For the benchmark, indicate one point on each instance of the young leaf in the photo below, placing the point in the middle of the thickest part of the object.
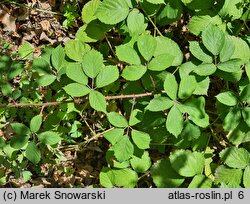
(75, 72)
(142, 164)
(146, 45)
(49, 138)
(235, 157)
(227, 98)
(171, 86)
(107, 75)
(159, 103)
(161, 62)
(213, 39)
(97, 101)
(164, 176)
(135, 22)
(123, 149)
(200, 52)
(115, 135)
(205, 69)
(232, 65)
(141, 139)
(36, 122)
(76, 90)
(117, 120)
(127, 54)
(32, 153)
(92, 63)
(187, 163)
(112, 12)
(246, 177)
(174, 123)
(57, 57)
(134, 72)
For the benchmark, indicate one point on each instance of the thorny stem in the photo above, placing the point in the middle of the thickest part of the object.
(56, 103)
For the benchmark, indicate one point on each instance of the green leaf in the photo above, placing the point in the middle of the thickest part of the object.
(196, 109)
(107, 76)
(26, 176)
(141, 139)
(123, 149)
(169, 47)
(115, 135)
(20, 129)
(174, 123)
(159, 103)
(187, 86)
(112, 12)
(19, 141)
(246, 177)
(228, 175)
(126, 178)
(232, 119)
(135, 22)
(135, 117)
(92, 63)
(227, 50)
(25, 51)
(75, 49)
(232, 65)
(89, 10)
(199, 51)
(134, 72)
(213, 38)
(245, 94)
(235, 157)
(171, 86)
(32, 153)
(127, 54)
(202, 86)
(142, 164)
(45, 80)
(199, 23)
(156, 1)
(205, 69)
(41, 66)
(231, 9)
(164, 176)
(57, 57)
(200, 181)
(246, 115)
(97, 101)
(76, 90)
(161, 62)
(191, 132)
(187, 163)
(198, 4)
(49, 138)
(170, 13)
(227, 98)
(75, 72)
(117, 120)
(147, 45)
(6, 89)
(35, 123)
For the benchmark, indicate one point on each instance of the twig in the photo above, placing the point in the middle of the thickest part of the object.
(129, 96)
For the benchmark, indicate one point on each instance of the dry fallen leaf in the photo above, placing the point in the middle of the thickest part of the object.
(8, 21)
(45, 24)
